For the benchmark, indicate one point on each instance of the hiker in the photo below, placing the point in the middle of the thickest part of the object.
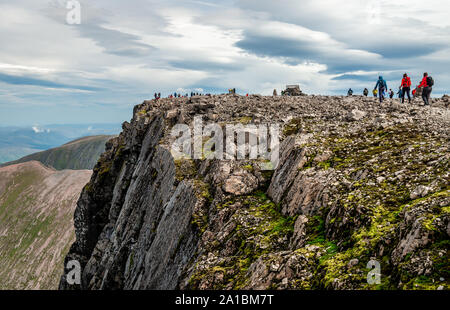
(382, 86)
(375, 92)
(400, 93)
(406, 87)
(156, 96)
(275, 93)
(366, 92)
(427, 84)
(159, 95)
(391, 93)
(350, 92)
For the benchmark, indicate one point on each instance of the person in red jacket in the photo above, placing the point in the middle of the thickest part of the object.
(426, 92)
(406, 87)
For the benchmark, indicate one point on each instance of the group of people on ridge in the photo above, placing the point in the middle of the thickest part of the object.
(176, 95)
(404, 90)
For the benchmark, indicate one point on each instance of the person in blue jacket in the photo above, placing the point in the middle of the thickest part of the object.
(400, 93)
(382, 86)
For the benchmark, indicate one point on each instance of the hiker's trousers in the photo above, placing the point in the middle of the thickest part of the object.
(381, 93)
(426, 93)
(406, 90)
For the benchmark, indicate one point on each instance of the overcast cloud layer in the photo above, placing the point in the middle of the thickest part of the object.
(124, 51)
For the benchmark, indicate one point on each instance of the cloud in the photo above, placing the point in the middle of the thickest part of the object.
(37, 129)
(344, 36)
(204, 65)
(301, 45)
(23, 69)
(123, 52)
(95, 26)
(115, 42)
(29, 81)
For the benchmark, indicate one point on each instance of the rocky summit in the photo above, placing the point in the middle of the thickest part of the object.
(359, 184)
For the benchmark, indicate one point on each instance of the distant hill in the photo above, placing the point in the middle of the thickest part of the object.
(17, 142)
(11, 153)
(79, 154)
(36, 223)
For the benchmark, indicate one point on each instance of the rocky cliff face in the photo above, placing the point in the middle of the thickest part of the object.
(357, 181)
(36, 223)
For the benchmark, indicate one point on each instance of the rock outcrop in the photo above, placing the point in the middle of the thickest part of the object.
(356, 181)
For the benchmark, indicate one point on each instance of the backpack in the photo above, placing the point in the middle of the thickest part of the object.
(406, 82)
(430, 81)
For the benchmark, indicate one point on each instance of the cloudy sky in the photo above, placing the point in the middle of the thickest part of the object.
(123, 51)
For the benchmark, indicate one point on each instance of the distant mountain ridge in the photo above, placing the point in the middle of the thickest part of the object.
(79, 154)
(17, 142)
(36, 223)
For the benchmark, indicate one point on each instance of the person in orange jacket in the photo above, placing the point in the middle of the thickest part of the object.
(427, 83)
(406, 88)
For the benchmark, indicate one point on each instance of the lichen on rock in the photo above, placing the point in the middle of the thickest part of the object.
(357, 181)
